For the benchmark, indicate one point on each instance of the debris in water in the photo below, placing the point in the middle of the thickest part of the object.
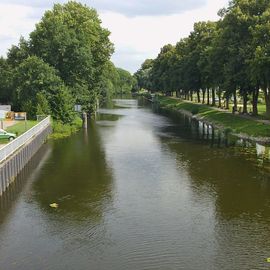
(54, 205)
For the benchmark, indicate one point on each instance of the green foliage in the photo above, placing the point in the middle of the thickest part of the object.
(70, 38)
(65, 60)
(110, 81)
(143, 76)
(116, 81)
(227, 121)
(17, 54)
(228, 58)
(126, 81)
(6, 90)
(61, 130)
(39, 89)
(20, 127)
(43, 107)
(195, 110)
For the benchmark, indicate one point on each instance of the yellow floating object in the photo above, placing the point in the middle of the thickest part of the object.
(268, 260)
(54, 205)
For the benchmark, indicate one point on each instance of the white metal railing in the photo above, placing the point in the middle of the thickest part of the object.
(14, 145)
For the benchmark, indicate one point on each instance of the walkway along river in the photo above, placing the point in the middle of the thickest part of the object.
(139, 190)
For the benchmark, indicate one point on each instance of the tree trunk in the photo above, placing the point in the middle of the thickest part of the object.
(245, 100)
(191, 95)
(203, 96)
(198, 96)
(266, 91)
(234, 101)
(227, 103)
(213, 97)
(208, 97)
(255, 101)
(219, 98)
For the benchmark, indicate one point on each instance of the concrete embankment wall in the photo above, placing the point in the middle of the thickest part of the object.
(14, 164)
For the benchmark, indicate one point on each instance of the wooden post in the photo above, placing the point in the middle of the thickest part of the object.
(25, 122)
(84, 120)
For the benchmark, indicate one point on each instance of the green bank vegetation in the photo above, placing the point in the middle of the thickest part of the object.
(65, 61)
(224, 63)
(222, 119)
(22, 126)
(61, 130)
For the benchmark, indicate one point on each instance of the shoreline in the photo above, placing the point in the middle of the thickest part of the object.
(215, 124)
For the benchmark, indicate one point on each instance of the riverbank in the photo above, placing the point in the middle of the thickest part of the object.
(246, 128)
(61, 130)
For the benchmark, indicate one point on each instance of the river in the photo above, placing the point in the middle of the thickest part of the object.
(139, 190)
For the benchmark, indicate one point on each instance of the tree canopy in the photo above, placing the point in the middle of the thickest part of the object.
(227, 58)
(65, 61)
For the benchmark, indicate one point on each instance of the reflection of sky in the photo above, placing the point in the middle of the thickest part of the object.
(153, 201)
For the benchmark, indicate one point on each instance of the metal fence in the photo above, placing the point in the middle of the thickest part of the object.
(14, 145)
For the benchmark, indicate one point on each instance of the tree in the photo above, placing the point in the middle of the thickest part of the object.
(17, 54)
(161, 70)
(70, 38)
(231, 57)
(109, 81)
(125, 83)
(142, 76)
(260, 64)
(35, 81)
(6, 90)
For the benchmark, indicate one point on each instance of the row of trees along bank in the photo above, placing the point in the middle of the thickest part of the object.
(65, 61)
(221, 60)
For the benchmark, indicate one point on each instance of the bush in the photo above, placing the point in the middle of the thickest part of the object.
(61, 130)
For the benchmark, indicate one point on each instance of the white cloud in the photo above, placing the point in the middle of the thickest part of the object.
(142, 37)
(128, 8)
(15, 21)
(135, 38)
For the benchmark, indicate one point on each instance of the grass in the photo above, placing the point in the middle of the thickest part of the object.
(261, 107)
(60, 130)
(20, 127)
(227, 121)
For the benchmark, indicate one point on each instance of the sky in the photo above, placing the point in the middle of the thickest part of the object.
(139, 28)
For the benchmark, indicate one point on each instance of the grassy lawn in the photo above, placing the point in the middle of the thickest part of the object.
(261, 107)
(19, 128)
(227, 120)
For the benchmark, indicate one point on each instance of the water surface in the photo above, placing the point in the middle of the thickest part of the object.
(140, 190)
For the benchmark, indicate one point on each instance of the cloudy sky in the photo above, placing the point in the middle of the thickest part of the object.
(139, 27)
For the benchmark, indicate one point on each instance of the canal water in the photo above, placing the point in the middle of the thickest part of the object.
(140, 190)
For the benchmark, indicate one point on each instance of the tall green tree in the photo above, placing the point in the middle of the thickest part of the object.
(6, 89)
(125, 83)
(160, 73)
(71, 39)
(35, 81)
(143, 75)
(260, 64)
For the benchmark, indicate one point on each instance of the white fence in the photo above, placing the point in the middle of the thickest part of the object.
(14, 145)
